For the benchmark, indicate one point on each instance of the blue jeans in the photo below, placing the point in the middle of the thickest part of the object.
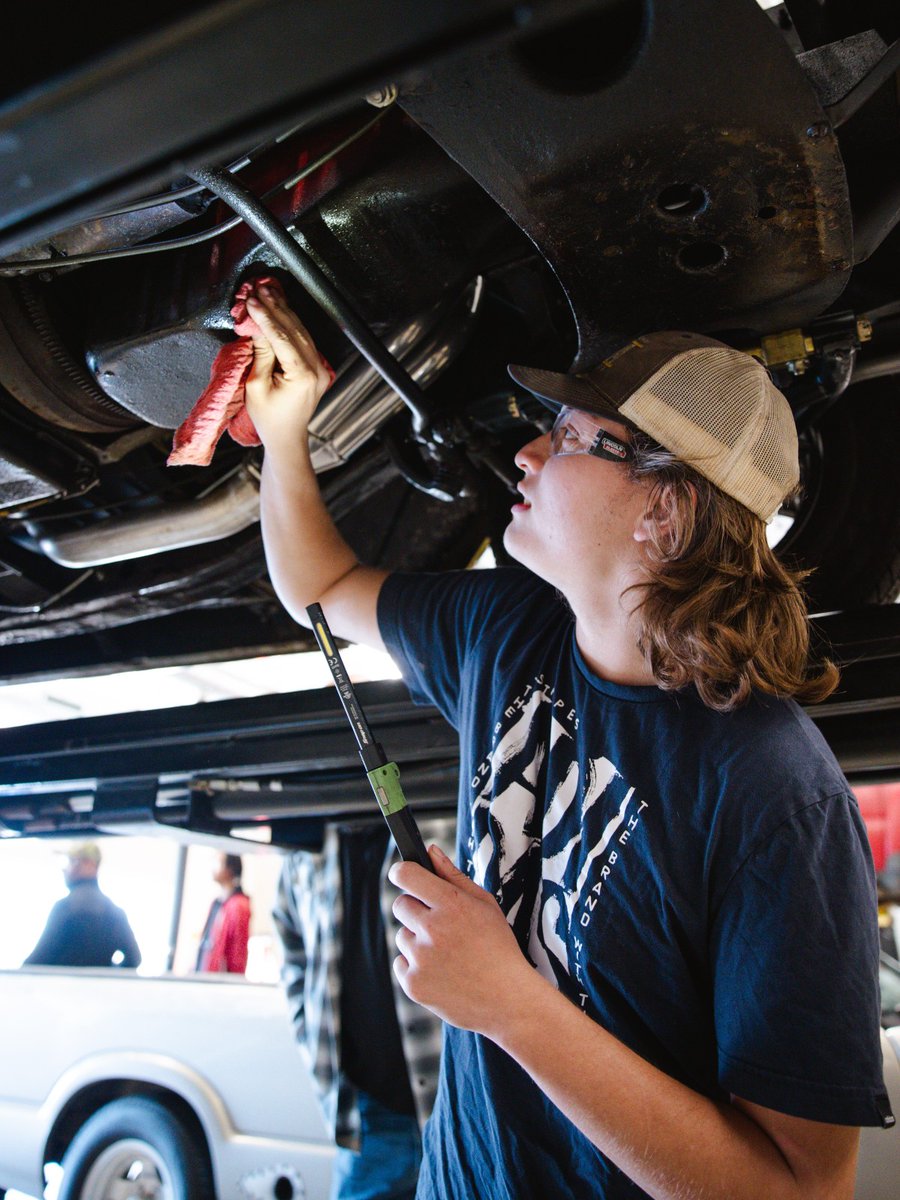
(387, 1164)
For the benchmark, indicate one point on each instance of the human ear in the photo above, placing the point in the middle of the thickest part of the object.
(643, 527)
(659, 520)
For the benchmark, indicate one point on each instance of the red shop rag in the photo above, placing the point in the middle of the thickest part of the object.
(222, 405)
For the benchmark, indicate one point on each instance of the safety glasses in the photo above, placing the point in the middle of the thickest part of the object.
(574, 432)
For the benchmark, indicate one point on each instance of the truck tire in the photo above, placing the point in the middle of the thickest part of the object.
(138, 1140)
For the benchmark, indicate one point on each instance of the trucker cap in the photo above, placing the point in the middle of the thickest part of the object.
(85, 852)
(712, 406)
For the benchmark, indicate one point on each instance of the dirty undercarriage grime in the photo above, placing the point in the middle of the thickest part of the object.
(497, 185)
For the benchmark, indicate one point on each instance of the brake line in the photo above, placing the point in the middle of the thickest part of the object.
(185, 193)
(33, 266)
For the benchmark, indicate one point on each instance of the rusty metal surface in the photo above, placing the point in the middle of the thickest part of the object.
(681, 173)
(204, 86)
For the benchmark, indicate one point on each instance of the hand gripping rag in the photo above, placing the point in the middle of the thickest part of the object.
(222, 405)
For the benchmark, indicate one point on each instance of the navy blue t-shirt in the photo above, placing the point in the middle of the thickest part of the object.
(699, 883)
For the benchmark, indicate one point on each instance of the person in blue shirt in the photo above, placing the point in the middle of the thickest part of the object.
(658, 963)
(85, 928)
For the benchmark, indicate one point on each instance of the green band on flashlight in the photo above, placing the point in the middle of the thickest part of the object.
(385, 783)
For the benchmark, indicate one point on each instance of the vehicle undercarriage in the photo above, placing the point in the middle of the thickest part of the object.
(490, 185)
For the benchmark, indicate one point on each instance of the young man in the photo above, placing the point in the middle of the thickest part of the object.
(659, 967)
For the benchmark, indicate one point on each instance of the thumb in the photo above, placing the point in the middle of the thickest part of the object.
(263, 360)
(448, 870)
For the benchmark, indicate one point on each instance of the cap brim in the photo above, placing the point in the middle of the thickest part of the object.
(557, 390)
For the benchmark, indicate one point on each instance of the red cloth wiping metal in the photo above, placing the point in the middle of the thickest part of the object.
(222, 405)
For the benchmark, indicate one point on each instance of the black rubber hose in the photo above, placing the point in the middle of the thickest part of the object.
(320, 287)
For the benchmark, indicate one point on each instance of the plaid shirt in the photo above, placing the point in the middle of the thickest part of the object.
(309, 918)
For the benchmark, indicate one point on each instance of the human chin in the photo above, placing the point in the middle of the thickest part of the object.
(512, 540)
(525, 550)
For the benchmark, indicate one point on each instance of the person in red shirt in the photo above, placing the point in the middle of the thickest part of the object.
(223, 944)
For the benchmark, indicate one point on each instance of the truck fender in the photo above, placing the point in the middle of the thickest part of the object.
(157, 1070)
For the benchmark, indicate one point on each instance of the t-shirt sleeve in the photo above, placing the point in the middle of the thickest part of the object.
(795, 972)
(431, 622)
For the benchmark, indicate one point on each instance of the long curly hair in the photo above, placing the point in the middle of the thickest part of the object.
(719, 611)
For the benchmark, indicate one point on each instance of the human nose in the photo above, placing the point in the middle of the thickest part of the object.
(533, 454)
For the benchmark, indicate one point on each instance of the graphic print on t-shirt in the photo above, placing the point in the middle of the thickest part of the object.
(587, 815)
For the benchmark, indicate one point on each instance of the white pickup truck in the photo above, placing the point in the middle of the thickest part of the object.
(194, 1089)
(155, 1089)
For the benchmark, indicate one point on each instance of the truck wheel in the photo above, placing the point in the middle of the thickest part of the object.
(134, 1141)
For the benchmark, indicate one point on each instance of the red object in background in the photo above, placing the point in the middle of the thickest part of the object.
(230, 937)
(879, 804)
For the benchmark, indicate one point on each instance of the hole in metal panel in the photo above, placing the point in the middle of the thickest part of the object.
(682, 200)
(701, 257)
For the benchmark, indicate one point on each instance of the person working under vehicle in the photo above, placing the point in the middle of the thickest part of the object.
(658, 967)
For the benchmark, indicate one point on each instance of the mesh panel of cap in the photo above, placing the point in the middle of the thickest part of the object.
(718, 411)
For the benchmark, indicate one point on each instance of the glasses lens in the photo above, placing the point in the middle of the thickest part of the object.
(574, 433)
(566, 437)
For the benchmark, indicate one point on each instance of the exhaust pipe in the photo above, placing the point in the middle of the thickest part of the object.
(230, 508)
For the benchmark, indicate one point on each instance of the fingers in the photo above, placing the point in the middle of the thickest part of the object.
(410, 913)
(405, 963)
(263, 355)
(406, 944)
(448, 870)
(275, 310)
(264, 365)
(289, 346)
(401, 970)
(417, 882)
(427, 901)
(279, 312)
(284, 336)
(431, 888)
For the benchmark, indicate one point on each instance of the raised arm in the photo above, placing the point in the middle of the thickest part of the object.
(307, 557)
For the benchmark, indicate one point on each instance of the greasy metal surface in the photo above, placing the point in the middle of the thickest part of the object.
(205, 87)
(682, 173)
(153, 325)
(158, 374)
(835, 70)
(881, 73)
(397, 229)
(23, 482)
